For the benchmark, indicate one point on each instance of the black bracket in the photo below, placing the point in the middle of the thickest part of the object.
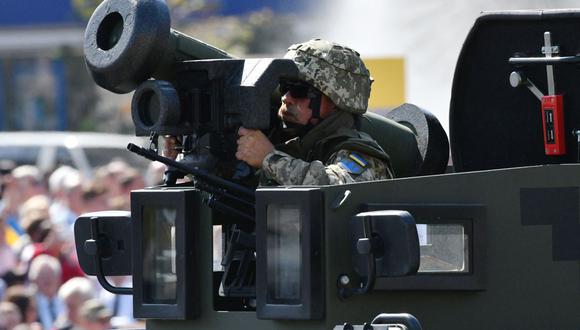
(367, 245)
(96, 246)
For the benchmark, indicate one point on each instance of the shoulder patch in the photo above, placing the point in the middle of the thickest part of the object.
(355, 163)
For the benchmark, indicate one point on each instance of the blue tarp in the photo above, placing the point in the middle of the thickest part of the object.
(33, 12)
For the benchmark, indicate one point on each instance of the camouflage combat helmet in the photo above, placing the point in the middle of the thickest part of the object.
(335, 70)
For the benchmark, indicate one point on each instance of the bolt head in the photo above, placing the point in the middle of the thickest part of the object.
(515, 79)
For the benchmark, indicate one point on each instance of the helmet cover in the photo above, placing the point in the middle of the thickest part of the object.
(336, 70)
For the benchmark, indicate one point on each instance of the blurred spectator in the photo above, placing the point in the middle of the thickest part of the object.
(120, 305)
(9, 315)
(32, 212)
(94, 316)
(45, 274)
(6, 168)
(37, 228)
(65, 187)
(11, 234)
(2, 288)
(74, 293)
(15, 277)
(130, 180)
(25, 182)
(24, 326)
(117, 166)
(24, 299)
(35, 207)
(127, 181)
(36, 231)
(94, 197)
(59, 244)
(109, 176)
(120, 179)
(7, 256)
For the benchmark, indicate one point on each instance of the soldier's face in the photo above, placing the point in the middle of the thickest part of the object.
(295, 110)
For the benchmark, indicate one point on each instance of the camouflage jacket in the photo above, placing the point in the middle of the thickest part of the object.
(333, 152)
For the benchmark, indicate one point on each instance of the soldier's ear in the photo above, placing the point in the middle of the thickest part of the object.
(327, 107)
(331, 104)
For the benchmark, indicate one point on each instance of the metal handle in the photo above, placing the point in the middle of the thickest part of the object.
(97, 253)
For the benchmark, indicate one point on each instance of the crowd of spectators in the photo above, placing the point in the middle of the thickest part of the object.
(41, 283)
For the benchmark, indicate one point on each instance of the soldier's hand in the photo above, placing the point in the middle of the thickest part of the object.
(253, 146)
(170, 147)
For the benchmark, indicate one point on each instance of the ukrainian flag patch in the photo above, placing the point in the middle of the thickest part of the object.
(355, 163)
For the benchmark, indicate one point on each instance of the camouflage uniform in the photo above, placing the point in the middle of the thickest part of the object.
(333, 152)
(283, 169)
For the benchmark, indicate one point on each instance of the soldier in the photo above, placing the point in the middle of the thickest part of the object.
(323, 107)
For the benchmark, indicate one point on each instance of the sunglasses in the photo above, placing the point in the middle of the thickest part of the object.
(298, 89)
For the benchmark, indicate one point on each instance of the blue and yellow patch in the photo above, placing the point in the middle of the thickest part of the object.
(355, 163)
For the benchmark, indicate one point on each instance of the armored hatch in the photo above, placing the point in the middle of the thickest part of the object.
(494, 125)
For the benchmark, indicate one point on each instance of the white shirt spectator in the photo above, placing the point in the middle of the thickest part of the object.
(121, 305)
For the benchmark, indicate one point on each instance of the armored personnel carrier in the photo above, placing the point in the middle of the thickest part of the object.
(493, 242)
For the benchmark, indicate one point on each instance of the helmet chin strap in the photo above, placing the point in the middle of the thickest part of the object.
(295, 129)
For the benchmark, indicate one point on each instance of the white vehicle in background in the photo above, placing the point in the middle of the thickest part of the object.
(82, 150)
